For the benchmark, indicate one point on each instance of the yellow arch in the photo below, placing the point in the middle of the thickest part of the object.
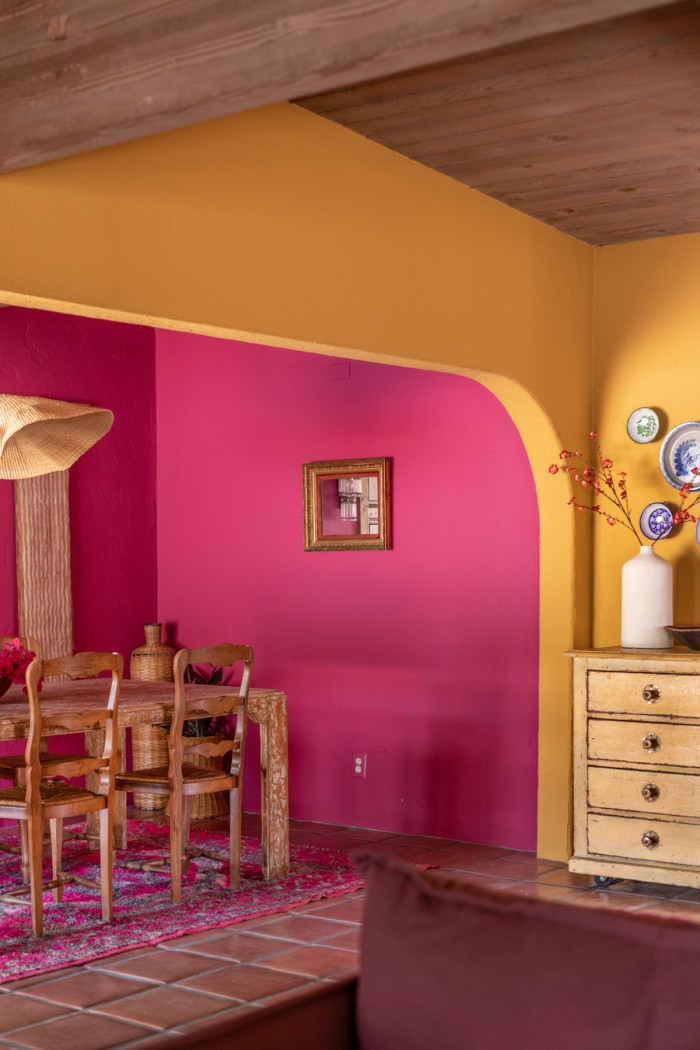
(277, 227)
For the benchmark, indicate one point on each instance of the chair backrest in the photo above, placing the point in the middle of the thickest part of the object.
(103, 716)
(231, 700)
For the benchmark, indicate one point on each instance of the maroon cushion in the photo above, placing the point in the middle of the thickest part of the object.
(448, 964)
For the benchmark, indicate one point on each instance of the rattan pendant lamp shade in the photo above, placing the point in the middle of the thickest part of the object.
(39, 435)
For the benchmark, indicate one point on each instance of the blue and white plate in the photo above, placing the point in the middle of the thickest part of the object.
(680, 452)
(656, 521)
(643, 425)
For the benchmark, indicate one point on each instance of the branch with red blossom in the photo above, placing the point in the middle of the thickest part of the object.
(683, 513)
(613, 488)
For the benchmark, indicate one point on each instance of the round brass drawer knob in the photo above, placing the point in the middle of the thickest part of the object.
(651, 742)
(651, 792)
(651, 840)
(651, 693)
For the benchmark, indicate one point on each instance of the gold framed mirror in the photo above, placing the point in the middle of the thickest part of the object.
(347, 505)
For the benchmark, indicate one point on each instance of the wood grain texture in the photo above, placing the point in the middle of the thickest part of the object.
(678, 843)
(675, 794)
(636, 807)
(151, 703)
(643, 695)
(45, 604)
(79, 74)
(616, 741)
(595, 131)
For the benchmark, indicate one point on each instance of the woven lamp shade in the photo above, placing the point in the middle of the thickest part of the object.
(39, 435)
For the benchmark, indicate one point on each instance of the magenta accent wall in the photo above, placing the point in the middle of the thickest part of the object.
(112, 487)
(423, 657)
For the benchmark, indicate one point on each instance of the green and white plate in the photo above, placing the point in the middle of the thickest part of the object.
(643, 425)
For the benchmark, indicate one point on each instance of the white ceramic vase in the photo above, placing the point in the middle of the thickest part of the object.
(647, 601)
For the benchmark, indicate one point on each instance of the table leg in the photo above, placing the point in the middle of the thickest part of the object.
(274, 802)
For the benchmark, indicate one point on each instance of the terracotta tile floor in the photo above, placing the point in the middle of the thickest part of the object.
(126, 1000)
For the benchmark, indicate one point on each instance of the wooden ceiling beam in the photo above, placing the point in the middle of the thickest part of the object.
(79, 74)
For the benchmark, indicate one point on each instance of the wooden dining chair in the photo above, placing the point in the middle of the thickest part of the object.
(182, 779)
(54, 763)
(39, 799)
(10, 763)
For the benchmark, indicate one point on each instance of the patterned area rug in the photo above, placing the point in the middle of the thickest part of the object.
(143, 912)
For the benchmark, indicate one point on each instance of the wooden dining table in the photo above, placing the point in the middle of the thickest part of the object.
(151, 703)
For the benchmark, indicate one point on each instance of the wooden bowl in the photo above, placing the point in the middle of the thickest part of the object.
(689, 636)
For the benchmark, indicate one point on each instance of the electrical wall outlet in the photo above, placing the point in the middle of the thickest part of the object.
(359, 764)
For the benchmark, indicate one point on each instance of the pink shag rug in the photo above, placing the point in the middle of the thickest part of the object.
(143, 912)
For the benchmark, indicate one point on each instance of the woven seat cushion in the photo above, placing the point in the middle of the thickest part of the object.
(51, 793)
(191, 774)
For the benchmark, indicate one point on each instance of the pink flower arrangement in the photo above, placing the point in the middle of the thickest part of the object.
(14, 661)
(610, 487)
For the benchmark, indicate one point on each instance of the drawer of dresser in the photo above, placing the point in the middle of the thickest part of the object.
(669, 794)
(637, 838)
(635, 743)
(648, 695)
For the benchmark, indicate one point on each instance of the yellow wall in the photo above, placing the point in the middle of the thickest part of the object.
(647, 353)
(277, 226)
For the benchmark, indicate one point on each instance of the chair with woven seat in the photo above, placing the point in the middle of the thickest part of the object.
(54, 763)
(9, 764)
(13, 767)
(37, 799)
(182, 779)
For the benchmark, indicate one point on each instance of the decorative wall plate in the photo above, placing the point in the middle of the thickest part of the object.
(680, 452)
(656, 521)
(643, 425)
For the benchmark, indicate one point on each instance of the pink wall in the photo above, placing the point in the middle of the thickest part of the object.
(112, 487)
(428, 662)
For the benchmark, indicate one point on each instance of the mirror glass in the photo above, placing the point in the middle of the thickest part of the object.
(347, 505)
(350, 505)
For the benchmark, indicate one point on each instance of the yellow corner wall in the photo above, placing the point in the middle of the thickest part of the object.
(276, 226)
(647, 353)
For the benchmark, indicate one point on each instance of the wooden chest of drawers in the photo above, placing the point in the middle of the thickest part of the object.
(637, 765)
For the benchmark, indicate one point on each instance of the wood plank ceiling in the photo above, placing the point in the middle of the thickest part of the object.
(583, 113)
(595, 131)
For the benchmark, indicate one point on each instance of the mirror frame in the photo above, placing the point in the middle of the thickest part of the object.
(315, 473)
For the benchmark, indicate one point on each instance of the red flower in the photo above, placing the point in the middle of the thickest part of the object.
(14, 661)
(593, 435)
(564, 454)
(610, 521)
(554, 469)
(607, 464)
